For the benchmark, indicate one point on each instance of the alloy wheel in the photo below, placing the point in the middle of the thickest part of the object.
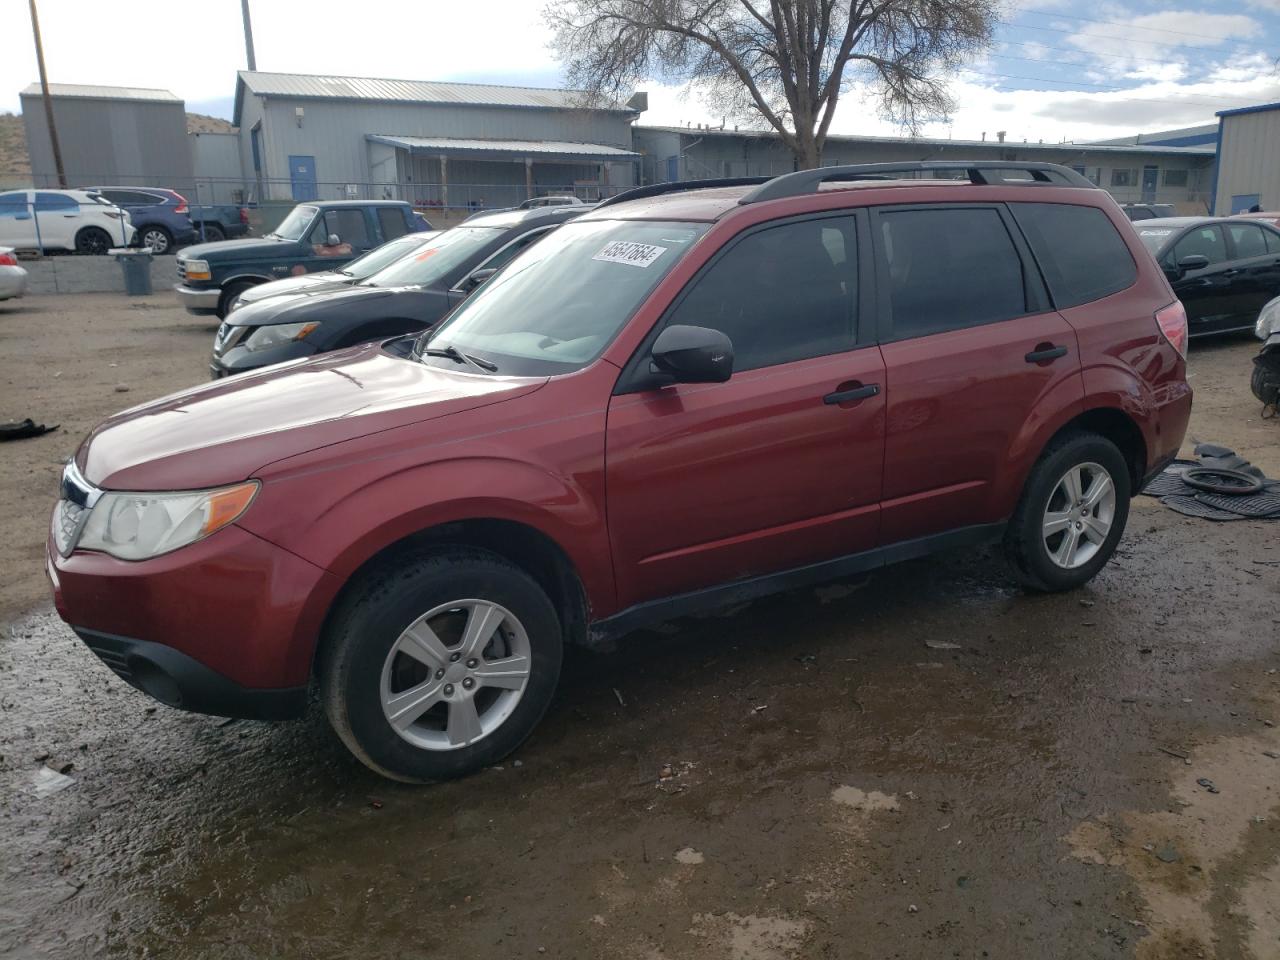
(1079, 515)
(156, 240)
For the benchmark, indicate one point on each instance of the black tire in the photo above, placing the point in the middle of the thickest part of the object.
(212, 234)
(229, 294)
(93, 241)
(157, 238)
(1025, 544)
(378, 610)
(1221, 480)
(1265, 381)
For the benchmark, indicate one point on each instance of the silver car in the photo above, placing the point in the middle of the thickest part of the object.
(13, 277)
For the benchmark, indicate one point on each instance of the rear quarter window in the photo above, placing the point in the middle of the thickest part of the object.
(1082, 256)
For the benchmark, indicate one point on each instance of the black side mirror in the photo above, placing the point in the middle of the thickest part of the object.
(1193, 261)
(479, 277)
(693, 355)
(333, 240)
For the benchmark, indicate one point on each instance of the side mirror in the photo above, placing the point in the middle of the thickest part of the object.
(1194, 261)
(479, 277)
(334, 240)
(693, 355)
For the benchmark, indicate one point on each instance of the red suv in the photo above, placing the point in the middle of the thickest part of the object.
(693, 395)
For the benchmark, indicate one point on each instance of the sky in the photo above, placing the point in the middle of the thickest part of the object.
(1053, 74)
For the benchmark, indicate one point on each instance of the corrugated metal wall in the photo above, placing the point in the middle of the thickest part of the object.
(1248, 163)
(110, 142)
(216, 159)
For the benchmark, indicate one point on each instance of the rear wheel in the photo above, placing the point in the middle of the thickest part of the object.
(1072, 513)
(212, 234)
(440, 663)
(93, 240)
(158, 239)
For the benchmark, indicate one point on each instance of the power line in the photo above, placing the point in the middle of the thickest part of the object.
(1119, 23)
(1007, 76)
(1101, 86)
(1098, 36)
(1084, 53)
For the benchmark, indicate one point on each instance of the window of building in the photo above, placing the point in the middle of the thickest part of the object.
(1079, 250)
(779, 294)
(950, 269)
(1123, 178)
(1175, 178)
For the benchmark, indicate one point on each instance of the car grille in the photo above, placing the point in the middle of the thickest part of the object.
(182, 269)
(110, 654)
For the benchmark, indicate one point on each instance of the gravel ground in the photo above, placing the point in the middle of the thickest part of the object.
(928, 763)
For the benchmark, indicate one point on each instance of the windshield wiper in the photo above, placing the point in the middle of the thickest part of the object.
(453, 353)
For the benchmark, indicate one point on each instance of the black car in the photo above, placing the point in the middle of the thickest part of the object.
(1222, 269)
(412, 294)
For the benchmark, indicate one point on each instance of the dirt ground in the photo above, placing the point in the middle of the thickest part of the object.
(1088, 775)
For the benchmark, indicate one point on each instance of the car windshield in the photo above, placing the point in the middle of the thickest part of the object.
(295, 224)
(557, 305)
(437, 258)
(1154, 238)
(384, 256)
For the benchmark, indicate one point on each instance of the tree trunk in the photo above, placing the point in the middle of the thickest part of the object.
(807, 154)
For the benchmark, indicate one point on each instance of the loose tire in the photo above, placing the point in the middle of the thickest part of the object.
(440, 663)
(93, 241)
(158, 239)
(1071, 515)
(230, 294)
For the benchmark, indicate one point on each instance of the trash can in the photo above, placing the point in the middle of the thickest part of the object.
(136, 265)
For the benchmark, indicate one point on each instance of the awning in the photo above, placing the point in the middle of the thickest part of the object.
(546, 151)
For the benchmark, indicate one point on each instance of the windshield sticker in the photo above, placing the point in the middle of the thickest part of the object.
(632, 254)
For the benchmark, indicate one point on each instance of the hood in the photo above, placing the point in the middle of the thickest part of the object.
(306, 305)
(305, 282)
(227, 430)
(238, 249)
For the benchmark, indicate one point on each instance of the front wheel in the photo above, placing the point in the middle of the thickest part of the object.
(93, 240)
(1071, 515)
(440, 663)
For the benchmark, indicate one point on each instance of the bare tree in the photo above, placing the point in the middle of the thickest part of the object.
(787, 61)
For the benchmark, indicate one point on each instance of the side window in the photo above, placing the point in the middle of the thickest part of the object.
(55, 201)
(350, 226)
(950, 268)
(391, 220)
(13, 204)
(780, 294)
(1273, 238)
(1204, 241)
(1248, 240)
(1079, 250)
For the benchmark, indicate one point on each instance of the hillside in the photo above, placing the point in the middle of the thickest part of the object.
(201, 123)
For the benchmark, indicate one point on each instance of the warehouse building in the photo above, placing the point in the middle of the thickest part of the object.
(454, 145)
(108, 135)
(1150, 173)
(1248, 169)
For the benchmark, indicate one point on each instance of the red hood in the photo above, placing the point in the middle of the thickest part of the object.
(224, 431)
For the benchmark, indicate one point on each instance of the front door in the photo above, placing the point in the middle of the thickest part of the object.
(302, 177)
(1150, 179)
(970, 349)
(58, 218)
(781, 465)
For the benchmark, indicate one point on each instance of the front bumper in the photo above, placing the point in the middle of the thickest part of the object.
(198, 301)
(239, 359)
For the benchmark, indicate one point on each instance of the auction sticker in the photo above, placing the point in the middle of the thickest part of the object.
(632, 254)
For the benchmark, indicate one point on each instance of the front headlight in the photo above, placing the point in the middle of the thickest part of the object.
(137, 526)
(1268, 320)
(196, 269)
(266, 337)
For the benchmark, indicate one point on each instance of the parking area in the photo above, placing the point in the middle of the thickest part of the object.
(925, 763)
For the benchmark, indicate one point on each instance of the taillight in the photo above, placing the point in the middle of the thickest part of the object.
(8, 260)
(1172, 321)
(182, 204)
(244, 215)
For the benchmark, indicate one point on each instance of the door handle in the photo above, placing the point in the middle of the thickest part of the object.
(1045, 354)
(1230, 273)
(853, 393)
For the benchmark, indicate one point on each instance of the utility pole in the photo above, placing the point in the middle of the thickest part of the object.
(248, 35)
(48, 103)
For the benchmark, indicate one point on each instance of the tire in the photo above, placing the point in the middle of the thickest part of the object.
(157, 238)
(1265, 380)
(92, 241)
(363, 666)
(212, 234)
(1036, 558)
(229, 295)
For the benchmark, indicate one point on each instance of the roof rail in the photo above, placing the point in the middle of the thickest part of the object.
(981, 172)
(678, 186)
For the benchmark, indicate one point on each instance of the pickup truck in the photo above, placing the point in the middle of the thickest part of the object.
(219, 221)
(318, 235)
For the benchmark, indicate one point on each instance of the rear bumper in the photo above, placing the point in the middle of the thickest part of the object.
(198, 301)
(13, 282)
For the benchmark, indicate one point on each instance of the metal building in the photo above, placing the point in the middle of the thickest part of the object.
(1131, 172)
(448, 145)
(1248, 168)
(127, 136)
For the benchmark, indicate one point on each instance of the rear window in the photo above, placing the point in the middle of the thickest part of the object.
(1081, 254)
(391, 220)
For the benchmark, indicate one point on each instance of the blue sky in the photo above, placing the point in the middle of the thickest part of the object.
(1059, 70)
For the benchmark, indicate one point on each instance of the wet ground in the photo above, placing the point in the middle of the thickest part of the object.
(925, 764)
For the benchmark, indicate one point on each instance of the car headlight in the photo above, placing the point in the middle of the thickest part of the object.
(137, 526)
(265, 337)
(196, 269)
(1268, 320)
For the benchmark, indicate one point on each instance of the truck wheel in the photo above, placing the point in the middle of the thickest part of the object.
(230, 294)
(440, 664)
(1072, 513)
(212, 234)
(92, 240)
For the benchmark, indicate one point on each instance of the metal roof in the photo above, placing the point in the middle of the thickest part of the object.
(93, 92)
(964, 144)
(1260, 108)
(513, 148)
(312, 86)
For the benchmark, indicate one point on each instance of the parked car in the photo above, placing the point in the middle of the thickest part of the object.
(793, 381)
(314, 236)
(361, 268)
(160, 216)
(76, 220)
(219, 221)
(1265, 381)
(551, 200)
(1223, 269)
(1148, 211)
(406, 297)
(1266, 216)
(13, 276)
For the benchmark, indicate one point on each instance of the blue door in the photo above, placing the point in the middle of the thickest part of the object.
(673, 169)
(1244, 202)
(302, 175)
(1150, 177)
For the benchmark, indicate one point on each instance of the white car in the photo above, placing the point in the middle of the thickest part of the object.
(76, 220)
(13, 278)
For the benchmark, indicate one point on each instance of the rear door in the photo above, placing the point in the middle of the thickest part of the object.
(1255, 254)
(1209, 293)
(973, 354)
